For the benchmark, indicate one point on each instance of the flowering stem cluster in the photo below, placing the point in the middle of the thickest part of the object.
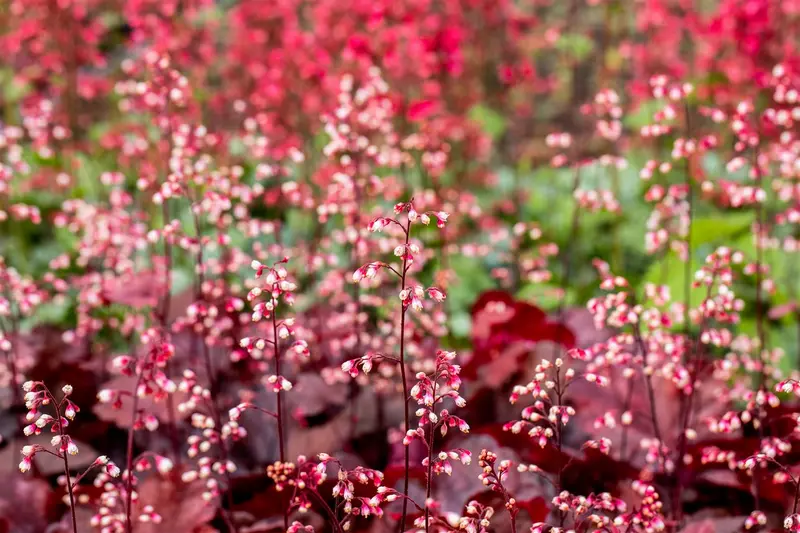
(37, 397)
(410, 297)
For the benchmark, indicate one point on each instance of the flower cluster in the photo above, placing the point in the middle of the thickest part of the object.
(549, 413)
(39, 397)
(493, 476)
(305, 478)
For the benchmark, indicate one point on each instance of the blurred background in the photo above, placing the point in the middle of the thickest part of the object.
(151, 149)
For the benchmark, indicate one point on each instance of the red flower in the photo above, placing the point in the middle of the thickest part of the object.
(419, 110)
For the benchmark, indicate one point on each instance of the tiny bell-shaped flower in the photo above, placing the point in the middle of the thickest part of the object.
(72, 448)
(378, 224)
(112, 470)
(25, 464)
(70, 410)
(436, 294)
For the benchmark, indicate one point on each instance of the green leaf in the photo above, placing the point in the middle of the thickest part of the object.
(299, 225)
(670, 271)
(492, 122)
(783, 269)
(87, 176)
(460, 324)
(720, 229)
(643, 115)
(14, 88)
(181, 280)
(576, 45)
(717, 78)
(237, 147)
(544, 296)
(53, 312)
(707, 234)
(714, 165)
(506, 180)
(786, 338)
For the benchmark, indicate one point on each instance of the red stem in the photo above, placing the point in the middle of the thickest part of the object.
(332, 517)
(648, 382)
(406, 415)
(796, 496)
(212, 385)
(429, 479)
(280, 403)
(163, 313)
(129, 459)
(66, 472)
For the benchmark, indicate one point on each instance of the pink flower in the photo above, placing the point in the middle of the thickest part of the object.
(436, 294)
(378, 224)
(419, 110)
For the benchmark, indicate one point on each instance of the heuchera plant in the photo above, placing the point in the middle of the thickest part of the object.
(462, 266)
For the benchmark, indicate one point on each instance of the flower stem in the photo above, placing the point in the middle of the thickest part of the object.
(281, 449)
(129, 460)
(66, 473)
(71, 494)
(332, 517)
(429, 478)
(406, 414)
(213, 386)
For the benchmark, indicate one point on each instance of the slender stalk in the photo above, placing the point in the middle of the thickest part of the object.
(332, 517)
(429, 481)
(406, 414)
(429, 477)
(212, 383)
(353, 384)
(566, 269)
(164, 309)
(559, 441)
(507, 497)
(129, 459)
(282, 451)
(71, 494)
(686, 416)
(64, 455)
(648, 382)
(278, 372)
(223, 447)
(796, 496)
